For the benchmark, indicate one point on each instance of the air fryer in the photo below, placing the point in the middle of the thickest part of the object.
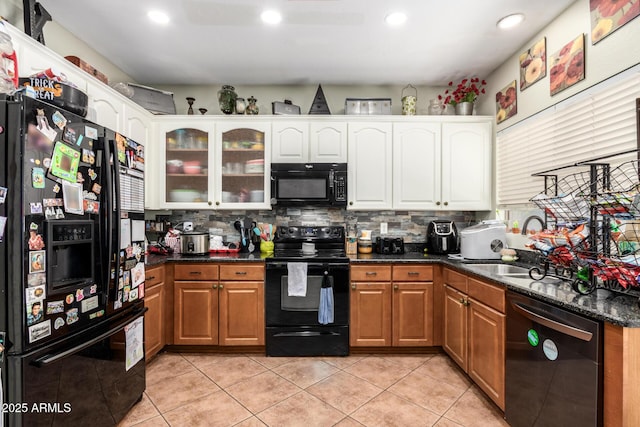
(442, 237)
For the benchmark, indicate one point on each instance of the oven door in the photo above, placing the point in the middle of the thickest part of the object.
(284, 310)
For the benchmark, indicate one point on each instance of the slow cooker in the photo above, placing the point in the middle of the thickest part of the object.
(194, 243)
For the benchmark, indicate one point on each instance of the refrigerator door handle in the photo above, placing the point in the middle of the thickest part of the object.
(51, 358)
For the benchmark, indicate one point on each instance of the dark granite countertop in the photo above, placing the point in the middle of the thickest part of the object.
(616, 308)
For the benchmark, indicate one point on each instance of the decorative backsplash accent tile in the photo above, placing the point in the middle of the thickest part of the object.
(411, 225)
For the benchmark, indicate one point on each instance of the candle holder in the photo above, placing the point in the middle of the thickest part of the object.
(203, 111)
(190, 100)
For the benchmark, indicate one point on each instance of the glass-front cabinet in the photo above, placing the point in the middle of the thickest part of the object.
(242, 166)
(187, 177)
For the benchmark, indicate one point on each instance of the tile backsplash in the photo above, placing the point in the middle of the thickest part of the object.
(411, 225)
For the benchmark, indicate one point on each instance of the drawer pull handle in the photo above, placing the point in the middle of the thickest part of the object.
(353, 287)
(241, 272)
(395, 287)
(150, 278)
(195, 272)
(413, 273)
(371, 273)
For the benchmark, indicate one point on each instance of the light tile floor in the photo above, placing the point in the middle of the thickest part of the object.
(247, 390)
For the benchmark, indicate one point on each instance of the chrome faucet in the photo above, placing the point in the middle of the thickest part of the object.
(526, 223)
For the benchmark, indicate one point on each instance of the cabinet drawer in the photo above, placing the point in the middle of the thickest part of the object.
(195, 272)
(491, 295)
(242, 272)
(153, 276)
(370, 273)
(412, 273)
(455, 280)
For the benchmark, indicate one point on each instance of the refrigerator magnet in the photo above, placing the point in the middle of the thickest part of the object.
(72, 196)
(137, 275)
(79, 140)
(37, 293)
(141, 290)
(90, 206)
(34, 312)
(69, 299)
(91, 132)
(3, 194)
(98, 313)
(59, 213)
(37, 177)
(96, 188)
(42, 124)
(58, 323)
(92, 174)
(55, 307)
(37, 261)
(69, 136)
(52, 202)
(3, 222)
(79, 178)
(133, 295)
(64, 162)
(56, 188)
(93, 289)
(72, 316)
(79, 295)
(35, 208)
(36, 279)
(39, 331)
(88, 156)
(35, 242)
(59, 120)
(126, 278)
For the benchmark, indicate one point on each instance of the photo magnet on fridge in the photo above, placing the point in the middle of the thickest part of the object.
(39, 331)
(3, 194)
(36, 279)
(55, 307)
(34, 312)
(37, 261)
(3, 222)
(59, 120)
(37, 293)
(35, 208)
(37, 177)
(64, 162)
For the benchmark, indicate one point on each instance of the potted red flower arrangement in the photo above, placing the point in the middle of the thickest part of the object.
(464, 95)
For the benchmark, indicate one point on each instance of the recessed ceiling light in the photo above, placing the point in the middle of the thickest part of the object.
(271, 17)
(510, 21)
(395, 18)
(158, 17)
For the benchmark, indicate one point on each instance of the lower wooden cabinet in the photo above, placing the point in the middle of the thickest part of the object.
(195, 315)
(154, 301)
(474, 331)
(225, 307)
(391, 305)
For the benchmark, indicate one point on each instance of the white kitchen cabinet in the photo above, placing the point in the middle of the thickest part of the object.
(370, 165)
(182, 176)
(290, 142)
(242, 167)
(467, 166)
(314, 141)
(107, 106)
(416, 165)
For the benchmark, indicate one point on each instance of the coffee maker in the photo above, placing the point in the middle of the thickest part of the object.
(442, 237)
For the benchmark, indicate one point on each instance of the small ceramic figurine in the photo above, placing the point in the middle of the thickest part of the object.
(252, 108)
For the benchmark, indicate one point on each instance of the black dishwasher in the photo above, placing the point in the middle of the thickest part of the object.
(553, 366)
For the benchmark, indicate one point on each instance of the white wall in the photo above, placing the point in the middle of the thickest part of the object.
(613, 54)
(302, 95)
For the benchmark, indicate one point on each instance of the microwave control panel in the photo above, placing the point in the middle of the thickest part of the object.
(340, 188)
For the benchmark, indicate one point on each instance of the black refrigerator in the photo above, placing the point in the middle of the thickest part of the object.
(71, 268)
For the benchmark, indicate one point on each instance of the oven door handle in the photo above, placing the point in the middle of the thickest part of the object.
(306, 334)
(332, 266)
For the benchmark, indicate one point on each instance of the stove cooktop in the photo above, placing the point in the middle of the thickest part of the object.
(327, 241)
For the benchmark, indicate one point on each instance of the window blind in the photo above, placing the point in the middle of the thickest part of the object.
(597, 122)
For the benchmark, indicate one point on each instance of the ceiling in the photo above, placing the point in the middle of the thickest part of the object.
(318, 41)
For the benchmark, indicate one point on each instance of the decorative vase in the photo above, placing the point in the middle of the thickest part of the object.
(190, 102)
(464, 108)
(240, 106)
(203, 111)
(252, 108)
(227, 99)
(409, 101)
(435, 107)
(448, 110)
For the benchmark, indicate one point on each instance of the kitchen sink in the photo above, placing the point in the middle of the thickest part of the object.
(502, 269)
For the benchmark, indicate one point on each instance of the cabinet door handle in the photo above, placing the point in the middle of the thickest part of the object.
(241, 273)
(446, 203)
(462, 301)
(221, 287)
(209, 203)
(150, 278)
(353, 287)
(215, 286)
(395, 287)
(437, 203)
(371, 273)
(350, 203)
(217, 203)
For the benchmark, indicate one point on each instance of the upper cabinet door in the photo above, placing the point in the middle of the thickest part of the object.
(183, 172)
(467, 166)
(108, 107)
(416, 166)
(328, 142)
(370, 165)
(290, 142)
(243, 164)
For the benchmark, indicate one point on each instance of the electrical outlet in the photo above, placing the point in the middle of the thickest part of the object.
(383, 228)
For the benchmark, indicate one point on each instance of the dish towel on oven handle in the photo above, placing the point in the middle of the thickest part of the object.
(297, 279)
(325, 310)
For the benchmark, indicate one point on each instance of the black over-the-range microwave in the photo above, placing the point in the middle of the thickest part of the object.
(309, 184)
